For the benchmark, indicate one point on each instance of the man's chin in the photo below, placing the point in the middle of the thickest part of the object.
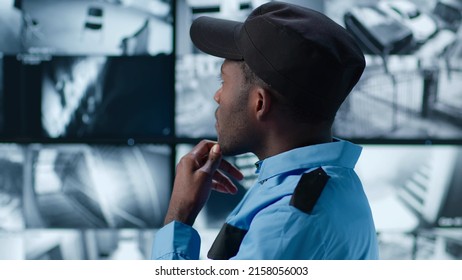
(223, 148)
(226, 151)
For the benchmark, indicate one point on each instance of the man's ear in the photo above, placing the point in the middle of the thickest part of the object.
(262, 102)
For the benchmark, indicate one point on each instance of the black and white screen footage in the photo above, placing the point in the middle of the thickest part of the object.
(83, 186)
(107, 97)
(10, 27)
(415, 192)
(11, 187)
(72, 244)
(1, 94)
(411, 88)
(75, 201)
(74, 27)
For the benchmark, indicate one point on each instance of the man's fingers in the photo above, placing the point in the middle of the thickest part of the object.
(231, 170)
(213, 160)
(216, 186)
(203, 148)
(222, 183)
(206, 159)
(200, 152)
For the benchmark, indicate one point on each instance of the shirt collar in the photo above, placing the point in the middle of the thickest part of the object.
(338, 153)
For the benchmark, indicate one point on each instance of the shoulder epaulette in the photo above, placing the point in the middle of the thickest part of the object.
(309, 189)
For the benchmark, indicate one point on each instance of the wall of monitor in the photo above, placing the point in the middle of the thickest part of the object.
(99, 100)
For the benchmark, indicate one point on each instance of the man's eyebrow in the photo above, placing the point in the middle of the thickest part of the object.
(221, 70)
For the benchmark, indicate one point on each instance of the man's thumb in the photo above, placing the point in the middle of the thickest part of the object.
(213, 160)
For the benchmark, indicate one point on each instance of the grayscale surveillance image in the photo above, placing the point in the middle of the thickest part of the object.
(10, 27)
(83, 186)
(414, 192)
(411, 88)
(1, 95)
(73, 27)
(74, 244)
(107, 97)
(105, 244)
(11, 187)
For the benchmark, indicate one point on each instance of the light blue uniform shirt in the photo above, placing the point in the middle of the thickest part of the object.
(340, 225)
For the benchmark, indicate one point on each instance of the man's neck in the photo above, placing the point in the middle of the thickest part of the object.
(279, 142)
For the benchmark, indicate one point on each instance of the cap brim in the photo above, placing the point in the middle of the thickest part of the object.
(216, 37)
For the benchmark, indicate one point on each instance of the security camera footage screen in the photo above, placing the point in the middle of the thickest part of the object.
(11, 187)
(84, 186)
(107, 97)
(74, 27)
(411, 88)
(86, 70)
(2, 111)
(416, 186)
(91, 244)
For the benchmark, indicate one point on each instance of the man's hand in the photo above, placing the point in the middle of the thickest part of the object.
(197, 174)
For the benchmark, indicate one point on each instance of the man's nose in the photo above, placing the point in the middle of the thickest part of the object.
(216, 97)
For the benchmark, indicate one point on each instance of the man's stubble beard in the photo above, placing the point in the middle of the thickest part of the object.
(236, 138)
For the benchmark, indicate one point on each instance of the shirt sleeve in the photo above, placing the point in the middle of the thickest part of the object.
(176, 241)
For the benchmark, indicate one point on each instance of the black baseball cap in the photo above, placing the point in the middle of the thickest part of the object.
(299, 52)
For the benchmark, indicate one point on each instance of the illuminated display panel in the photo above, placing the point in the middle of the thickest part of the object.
(96, 186)
(76, 27)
